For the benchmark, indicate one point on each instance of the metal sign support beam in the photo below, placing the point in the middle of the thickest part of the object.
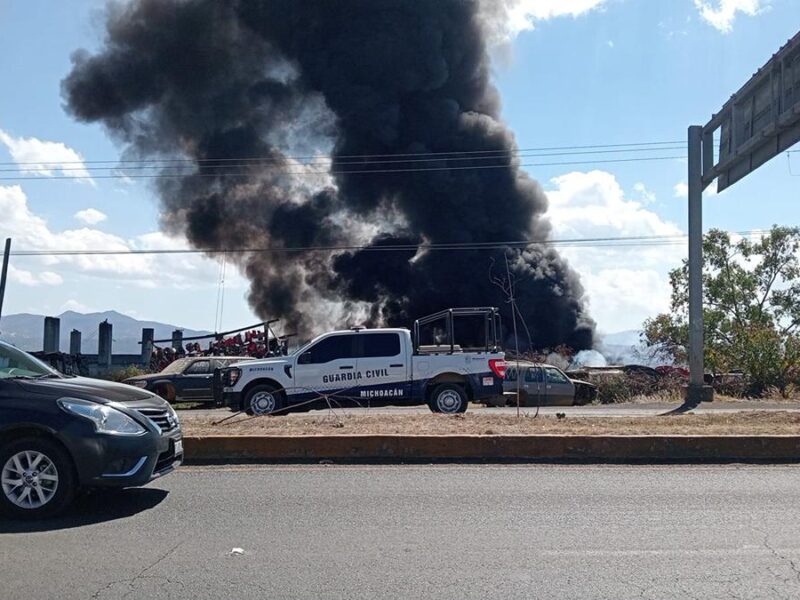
(697, 391)
(695, 181)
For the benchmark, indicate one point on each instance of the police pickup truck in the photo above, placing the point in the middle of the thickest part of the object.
(368, 367)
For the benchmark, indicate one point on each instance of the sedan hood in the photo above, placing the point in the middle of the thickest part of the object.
(97, 390)
(583, 382)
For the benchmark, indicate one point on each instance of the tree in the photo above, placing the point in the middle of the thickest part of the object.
(751, 308)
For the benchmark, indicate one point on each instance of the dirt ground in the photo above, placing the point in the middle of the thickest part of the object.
(749, 423)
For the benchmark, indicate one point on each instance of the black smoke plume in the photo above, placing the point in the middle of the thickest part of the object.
(387, 91)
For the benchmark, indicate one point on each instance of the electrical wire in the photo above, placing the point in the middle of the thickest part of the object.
(347, 172)
(597, 242)
(326, 162)
(56, 164)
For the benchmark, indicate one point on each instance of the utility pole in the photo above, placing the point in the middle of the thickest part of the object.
(4, 273)
(514, 320)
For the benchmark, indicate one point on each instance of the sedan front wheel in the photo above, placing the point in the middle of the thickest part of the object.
(37, 478)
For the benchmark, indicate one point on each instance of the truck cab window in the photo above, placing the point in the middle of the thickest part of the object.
(331, 348)
(200, 367)
(377, 345)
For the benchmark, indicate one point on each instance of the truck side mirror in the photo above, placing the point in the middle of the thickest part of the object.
(304, 358)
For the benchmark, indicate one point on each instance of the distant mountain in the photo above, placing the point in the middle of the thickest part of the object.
(26, 331)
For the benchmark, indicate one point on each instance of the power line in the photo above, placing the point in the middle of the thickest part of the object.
(597, 242)
(55, 164)
(347, 172)
(328, 162)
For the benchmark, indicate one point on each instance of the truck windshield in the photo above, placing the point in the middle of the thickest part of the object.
(176, 367)
(303, 348)
(16, 363)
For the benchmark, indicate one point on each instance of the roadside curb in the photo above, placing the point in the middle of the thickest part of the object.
(543, 448)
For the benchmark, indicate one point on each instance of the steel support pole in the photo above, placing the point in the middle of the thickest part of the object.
(695, 181)
(4, 273)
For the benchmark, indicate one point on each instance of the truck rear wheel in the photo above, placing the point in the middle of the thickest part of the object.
(263, 400)
(448, 398)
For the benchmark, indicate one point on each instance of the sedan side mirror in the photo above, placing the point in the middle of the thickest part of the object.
(304, 358)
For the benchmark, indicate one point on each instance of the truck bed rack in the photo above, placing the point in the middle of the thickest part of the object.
(492, 326)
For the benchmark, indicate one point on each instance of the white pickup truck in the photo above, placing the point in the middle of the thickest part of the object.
(368, 367)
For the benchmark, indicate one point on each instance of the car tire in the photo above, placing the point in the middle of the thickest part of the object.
(263, 399)
(165, 391)
(448, 398)
(53, 495)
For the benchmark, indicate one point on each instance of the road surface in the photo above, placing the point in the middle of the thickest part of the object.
(442, 531)
(599, 410)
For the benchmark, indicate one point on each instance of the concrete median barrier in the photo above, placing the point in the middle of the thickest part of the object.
(553, 448)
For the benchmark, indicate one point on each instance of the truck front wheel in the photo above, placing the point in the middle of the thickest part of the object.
(263, 400)
(448, 398)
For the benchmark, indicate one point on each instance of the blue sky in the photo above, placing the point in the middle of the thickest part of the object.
(572, 72)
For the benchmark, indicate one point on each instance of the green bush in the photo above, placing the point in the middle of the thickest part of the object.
(122, 374)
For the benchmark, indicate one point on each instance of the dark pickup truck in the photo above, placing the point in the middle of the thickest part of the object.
(187, 379)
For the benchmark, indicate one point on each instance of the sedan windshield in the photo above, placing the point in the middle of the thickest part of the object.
(16, 363)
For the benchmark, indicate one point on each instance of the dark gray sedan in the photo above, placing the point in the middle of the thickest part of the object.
(544, 385)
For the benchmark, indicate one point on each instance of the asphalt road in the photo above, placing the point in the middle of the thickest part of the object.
(441, 531)
(600, 410)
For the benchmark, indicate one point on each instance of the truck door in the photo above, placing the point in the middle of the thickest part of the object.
(534, 382)
(383, 366)
(195, 383)
(329, 366)
(559, 390)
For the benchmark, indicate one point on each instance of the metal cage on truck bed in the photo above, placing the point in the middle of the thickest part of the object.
(446, 321)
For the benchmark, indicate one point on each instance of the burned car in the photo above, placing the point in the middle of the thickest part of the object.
(544, 385)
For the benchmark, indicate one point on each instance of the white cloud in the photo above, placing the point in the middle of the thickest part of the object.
(76, 306)
(31, 232)
(31, 279)
(721, 14)
(622, 298)
(646, 196)
(37, 157)
(90, 216)
(625, 284)
(681, 190)
(505, 19)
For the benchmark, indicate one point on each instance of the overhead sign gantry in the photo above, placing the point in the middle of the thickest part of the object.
(759, 122)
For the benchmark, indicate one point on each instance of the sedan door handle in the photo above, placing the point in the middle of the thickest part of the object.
(346, 367)
(397, 365)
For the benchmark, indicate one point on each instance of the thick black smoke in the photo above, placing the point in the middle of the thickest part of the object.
(378, 85)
